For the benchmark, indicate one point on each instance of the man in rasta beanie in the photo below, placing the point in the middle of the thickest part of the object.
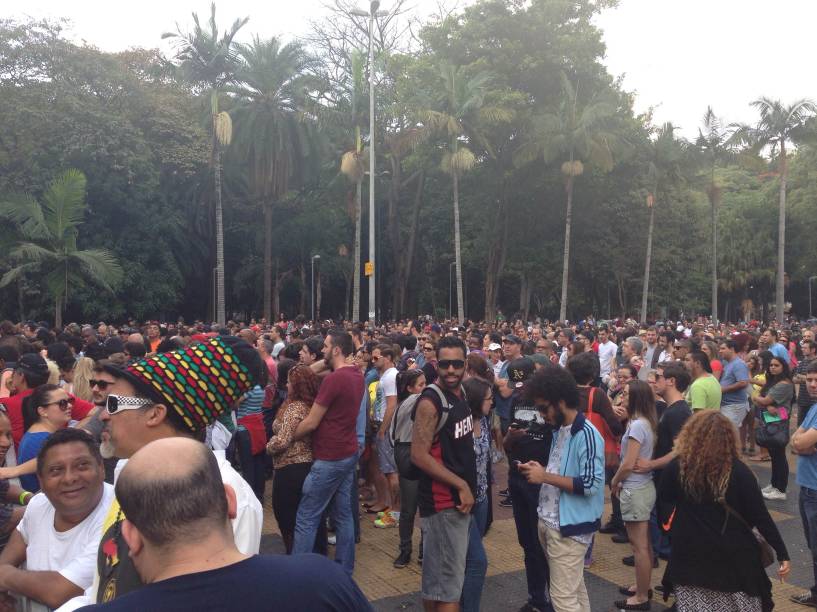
(172, 394)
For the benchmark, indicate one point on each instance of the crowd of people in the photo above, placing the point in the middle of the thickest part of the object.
(135, 459)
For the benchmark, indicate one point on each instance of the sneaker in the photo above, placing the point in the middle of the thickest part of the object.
(332, 540)
(402, 560)
(611, 528)
(385, 522)
(529, 607)
(506, 503)
(620, 538)
(766, 489)
(806, 599)
(504, 493)
(774, 494)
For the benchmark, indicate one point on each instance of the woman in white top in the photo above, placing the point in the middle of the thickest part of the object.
(636, 491)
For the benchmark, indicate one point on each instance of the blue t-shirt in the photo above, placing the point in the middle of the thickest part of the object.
(296, 583)
(733, 372)
(807, 464)
(30, 445)
(502, 405)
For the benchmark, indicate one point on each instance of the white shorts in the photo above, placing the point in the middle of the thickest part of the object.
(735, 412)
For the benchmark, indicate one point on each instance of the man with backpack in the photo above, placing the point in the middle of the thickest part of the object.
(528, 439)
(447, 483)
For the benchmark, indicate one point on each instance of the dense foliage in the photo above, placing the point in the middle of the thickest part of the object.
(507, 101)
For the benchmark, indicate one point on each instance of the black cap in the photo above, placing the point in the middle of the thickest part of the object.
(520, 370)
(32, 364)
(513, 338)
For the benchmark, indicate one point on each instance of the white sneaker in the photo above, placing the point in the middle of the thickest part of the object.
(332, 540)
(774, 494)
(766, 489)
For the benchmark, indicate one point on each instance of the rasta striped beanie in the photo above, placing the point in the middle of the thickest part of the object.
(197, 383)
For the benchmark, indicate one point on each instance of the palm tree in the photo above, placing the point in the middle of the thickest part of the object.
(273, 126)
(575, 134)
(47, 242)
(714, 142)
(462, 111)
(352, 166)
(664, 165)
(208, 59)
(778, 126)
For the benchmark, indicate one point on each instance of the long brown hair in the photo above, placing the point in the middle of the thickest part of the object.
(641, 402)
(706, 447)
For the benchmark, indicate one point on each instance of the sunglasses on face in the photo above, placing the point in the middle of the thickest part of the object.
(117, 403)
(64, 404)
(102, 384)
(428, 348)
(445, 364)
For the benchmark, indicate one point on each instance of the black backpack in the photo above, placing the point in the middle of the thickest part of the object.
(402, 450)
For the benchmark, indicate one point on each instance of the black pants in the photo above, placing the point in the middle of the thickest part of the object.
(615, 502)
(252, 466)
(286, 495)
(408, 510)
(525, 498)
(780, 468)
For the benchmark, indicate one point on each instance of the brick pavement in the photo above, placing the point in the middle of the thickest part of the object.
(391, 589)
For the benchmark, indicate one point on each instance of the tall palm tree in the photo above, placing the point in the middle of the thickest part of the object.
(47, 242)
(715, 143)
(779, 126)
(462, 111)
(208, 59)
(352, 166)
(575, 133)
(666, 155)
(273, 126)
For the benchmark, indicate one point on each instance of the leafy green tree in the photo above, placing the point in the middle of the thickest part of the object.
(779, 126)
(274, 127)
(47, 243)
(575, 133)
(208, 58)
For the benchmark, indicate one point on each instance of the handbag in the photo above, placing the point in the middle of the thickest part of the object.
(611, 459)
(772, 435)
(766, 551)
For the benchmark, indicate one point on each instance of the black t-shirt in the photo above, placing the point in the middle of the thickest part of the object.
(453, 447)
(660, 407)
(535, 444)
(669, 426)
(275, 582)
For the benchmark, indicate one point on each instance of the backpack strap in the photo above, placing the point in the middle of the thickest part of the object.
(590, 398)
(446, 405)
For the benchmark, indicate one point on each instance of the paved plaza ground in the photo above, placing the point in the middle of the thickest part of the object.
(391, 589)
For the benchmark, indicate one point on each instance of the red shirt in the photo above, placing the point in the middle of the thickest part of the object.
(340, 393)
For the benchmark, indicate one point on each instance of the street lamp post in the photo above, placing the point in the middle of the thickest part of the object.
(810, 278)
(372, 14)
(312, 292)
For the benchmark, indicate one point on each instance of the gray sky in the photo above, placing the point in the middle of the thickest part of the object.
(678, 56)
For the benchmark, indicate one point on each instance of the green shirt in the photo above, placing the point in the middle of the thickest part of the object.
(705, 392)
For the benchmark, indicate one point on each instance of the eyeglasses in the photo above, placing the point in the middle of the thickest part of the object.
(445, 364)
(116, 403)
(64, 404)
(102, 384)
(428, 348)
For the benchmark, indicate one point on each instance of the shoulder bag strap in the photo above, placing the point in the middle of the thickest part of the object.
(591, 396)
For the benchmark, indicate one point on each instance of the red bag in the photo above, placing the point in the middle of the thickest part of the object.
(254, 423)
(611, 445)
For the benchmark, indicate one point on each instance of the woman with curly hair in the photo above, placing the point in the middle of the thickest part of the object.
(292, 459)
(716, 561)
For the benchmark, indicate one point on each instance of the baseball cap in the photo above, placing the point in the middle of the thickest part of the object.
(519, 370)
(513, 338)
(494, 347)
(32, 364)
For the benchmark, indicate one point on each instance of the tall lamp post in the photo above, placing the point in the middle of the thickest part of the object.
(312, 292)
(372, 14)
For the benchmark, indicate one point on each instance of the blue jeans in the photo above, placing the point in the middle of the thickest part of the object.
(808, 513)
(328, 481)
(525, 498)
(476, 561)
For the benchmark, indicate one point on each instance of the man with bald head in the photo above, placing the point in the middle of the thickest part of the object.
(178, 532)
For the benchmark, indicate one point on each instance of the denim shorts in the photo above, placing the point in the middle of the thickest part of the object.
(445, 545)
(385, 454)
(636, 504)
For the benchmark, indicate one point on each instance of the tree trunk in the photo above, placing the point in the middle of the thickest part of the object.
(220, 304)
(566, 261)
(524, 296)
(714, 204)
(647, 262)
(406, 262)
(58, 313)
(393, 230)
(781, 237)
(276, 295)
(497, 252)
(20, 295)
(268, 262)
(358, 223)
(318, 294)
(457, 252)
(304, 292)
